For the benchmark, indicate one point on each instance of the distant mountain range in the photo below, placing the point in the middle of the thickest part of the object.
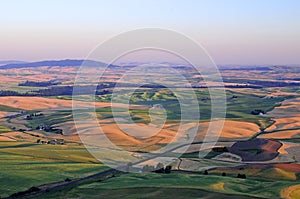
(76, 63)
(11, 62)
(67, 62)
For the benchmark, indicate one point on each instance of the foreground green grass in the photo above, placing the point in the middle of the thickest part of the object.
(23, 165)
(144, 193)
(152, 185)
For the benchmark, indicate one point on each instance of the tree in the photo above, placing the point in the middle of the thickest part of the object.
(242, 176)
(168, 169)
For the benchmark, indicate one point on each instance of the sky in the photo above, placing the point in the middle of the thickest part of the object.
(246, 32)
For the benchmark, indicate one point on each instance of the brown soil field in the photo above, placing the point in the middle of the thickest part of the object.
(231, 130)
(256, 150)
(6, 138)
(289, 167)
(39, 103)
(271, 146)
(282, 134)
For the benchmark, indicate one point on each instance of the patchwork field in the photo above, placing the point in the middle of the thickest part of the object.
(256, 154)
(287, 121)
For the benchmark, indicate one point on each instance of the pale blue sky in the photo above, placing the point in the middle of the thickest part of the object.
(232, 31)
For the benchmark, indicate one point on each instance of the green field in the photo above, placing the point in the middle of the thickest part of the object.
(238, 108)
(144, 193)
(23, 165)
(150, 185)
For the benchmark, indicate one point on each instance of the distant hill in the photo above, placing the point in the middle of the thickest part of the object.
(258, 67)
(238, 67)
(11, 62)
(73, 62)
(67, 62)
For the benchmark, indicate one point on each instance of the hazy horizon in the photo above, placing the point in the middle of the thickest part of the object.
(233, 32)
(129, 62)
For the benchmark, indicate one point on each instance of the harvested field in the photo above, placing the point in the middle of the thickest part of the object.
(281, 134)
(6, 138)
(39, 103)
(285, 123)
(231, 129)
(292, 192)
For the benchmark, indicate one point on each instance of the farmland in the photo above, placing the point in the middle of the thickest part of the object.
(26, 164)
(41, 145)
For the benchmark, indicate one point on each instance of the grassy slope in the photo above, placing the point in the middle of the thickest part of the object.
(238, 108)
(188, 186)
(143, 193)
(23, 165)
